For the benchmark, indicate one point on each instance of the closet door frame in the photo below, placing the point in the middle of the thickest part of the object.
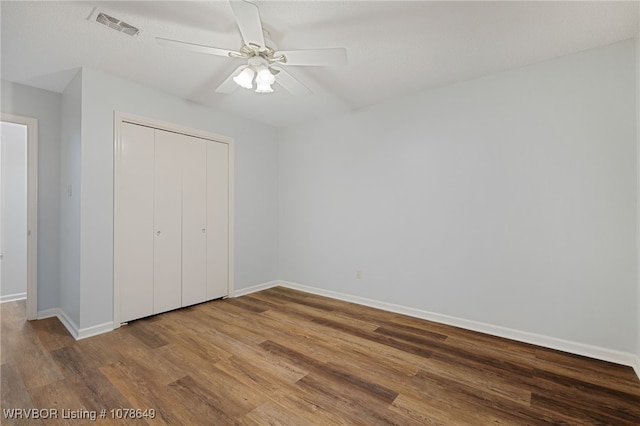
(124, 117)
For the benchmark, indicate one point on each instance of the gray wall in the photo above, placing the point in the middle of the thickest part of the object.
(255, 191)
(70, 186)
(45, 106)
(508, 200)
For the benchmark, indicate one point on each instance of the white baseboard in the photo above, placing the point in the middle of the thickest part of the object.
(12, 297)
(577, 348)
(48, 313)
(73, 329)
(106, 327)
(68, 323)
(255, 288)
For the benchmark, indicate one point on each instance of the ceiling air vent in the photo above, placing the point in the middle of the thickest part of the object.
(114, 23)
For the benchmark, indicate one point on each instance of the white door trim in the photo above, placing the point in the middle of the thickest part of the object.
(32, 209)
(121, 117)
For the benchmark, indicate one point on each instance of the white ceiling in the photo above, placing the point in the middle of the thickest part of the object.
(394, 48)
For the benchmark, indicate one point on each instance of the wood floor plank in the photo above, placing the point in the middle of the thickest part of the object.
(357, 332)
(443, 412)
(52, 334)
(263, 297)
(265, 326)
(80, 365)
(503, 366)
(572, 414)
(249, 305)
(93, 353)
(468, 337)
(377, 391)
(219, 403)
(582, 395)
(487, 408)
(254, 376)
(56, 396)
(300, 298)
(277, 413)
(157, 370)
(226, 347)
(517, 391)
(265, 303)
(202, 345)
(402, 362)
(12, 316)
(5, 349)
(14, 394)
(35, 364)
(360, 354)
(139, 394)
(513, 354)
(305, 312)
(96, 393)
(354, 403)
(229, 323)
(294, 406)
(144, 331)
(286, 357)
(618, 377)
(71, 361)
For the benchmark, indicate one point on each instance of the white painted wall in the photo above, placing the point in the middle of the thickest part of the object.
(255, 195)
(508, 200)
(70, 253)
(45, 106)
(14, 214)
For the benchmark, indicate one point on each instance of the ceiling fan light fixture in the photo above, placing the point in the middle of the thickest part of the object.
(262, 60)
(264, 80)
(265, 76)
(245, 78)
(264, 88)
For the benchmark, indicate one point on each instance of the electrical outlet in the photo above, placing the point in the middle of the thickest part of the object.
(358, 274)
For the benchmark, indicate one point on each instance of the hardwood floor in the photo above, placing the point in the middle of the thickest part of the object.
(285, 357)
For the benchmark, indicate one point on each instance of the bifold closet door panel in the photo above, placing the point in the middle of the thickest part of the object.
(194, 220)
(133, 236)
(167, 265)
(217, 220)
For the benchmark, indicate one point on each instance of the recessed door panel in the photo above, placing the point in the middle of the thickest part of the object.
(217, 220)
(194, 220)
(167, 222)
(133, 237)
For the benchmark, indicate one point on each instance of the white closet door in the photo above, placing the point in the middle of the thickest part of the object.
(194, 220)
(217, 220)
(133, 238)
(167, 293)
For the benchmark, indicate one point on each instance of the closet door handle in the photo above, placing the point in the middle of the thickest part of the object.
(158, 233)
(204, 230)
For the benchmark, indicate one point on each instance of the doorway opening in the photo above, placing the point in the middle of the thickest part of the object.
(18, 211)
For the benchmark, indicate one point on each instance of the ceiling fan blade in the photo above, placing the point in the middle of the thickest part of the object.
(197, 47)
(229, 85)
(249, 23)
(290, 84)
(314, 57)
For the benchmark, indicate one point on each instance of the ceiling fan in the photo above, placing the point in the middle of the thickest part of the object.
(263, 63)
